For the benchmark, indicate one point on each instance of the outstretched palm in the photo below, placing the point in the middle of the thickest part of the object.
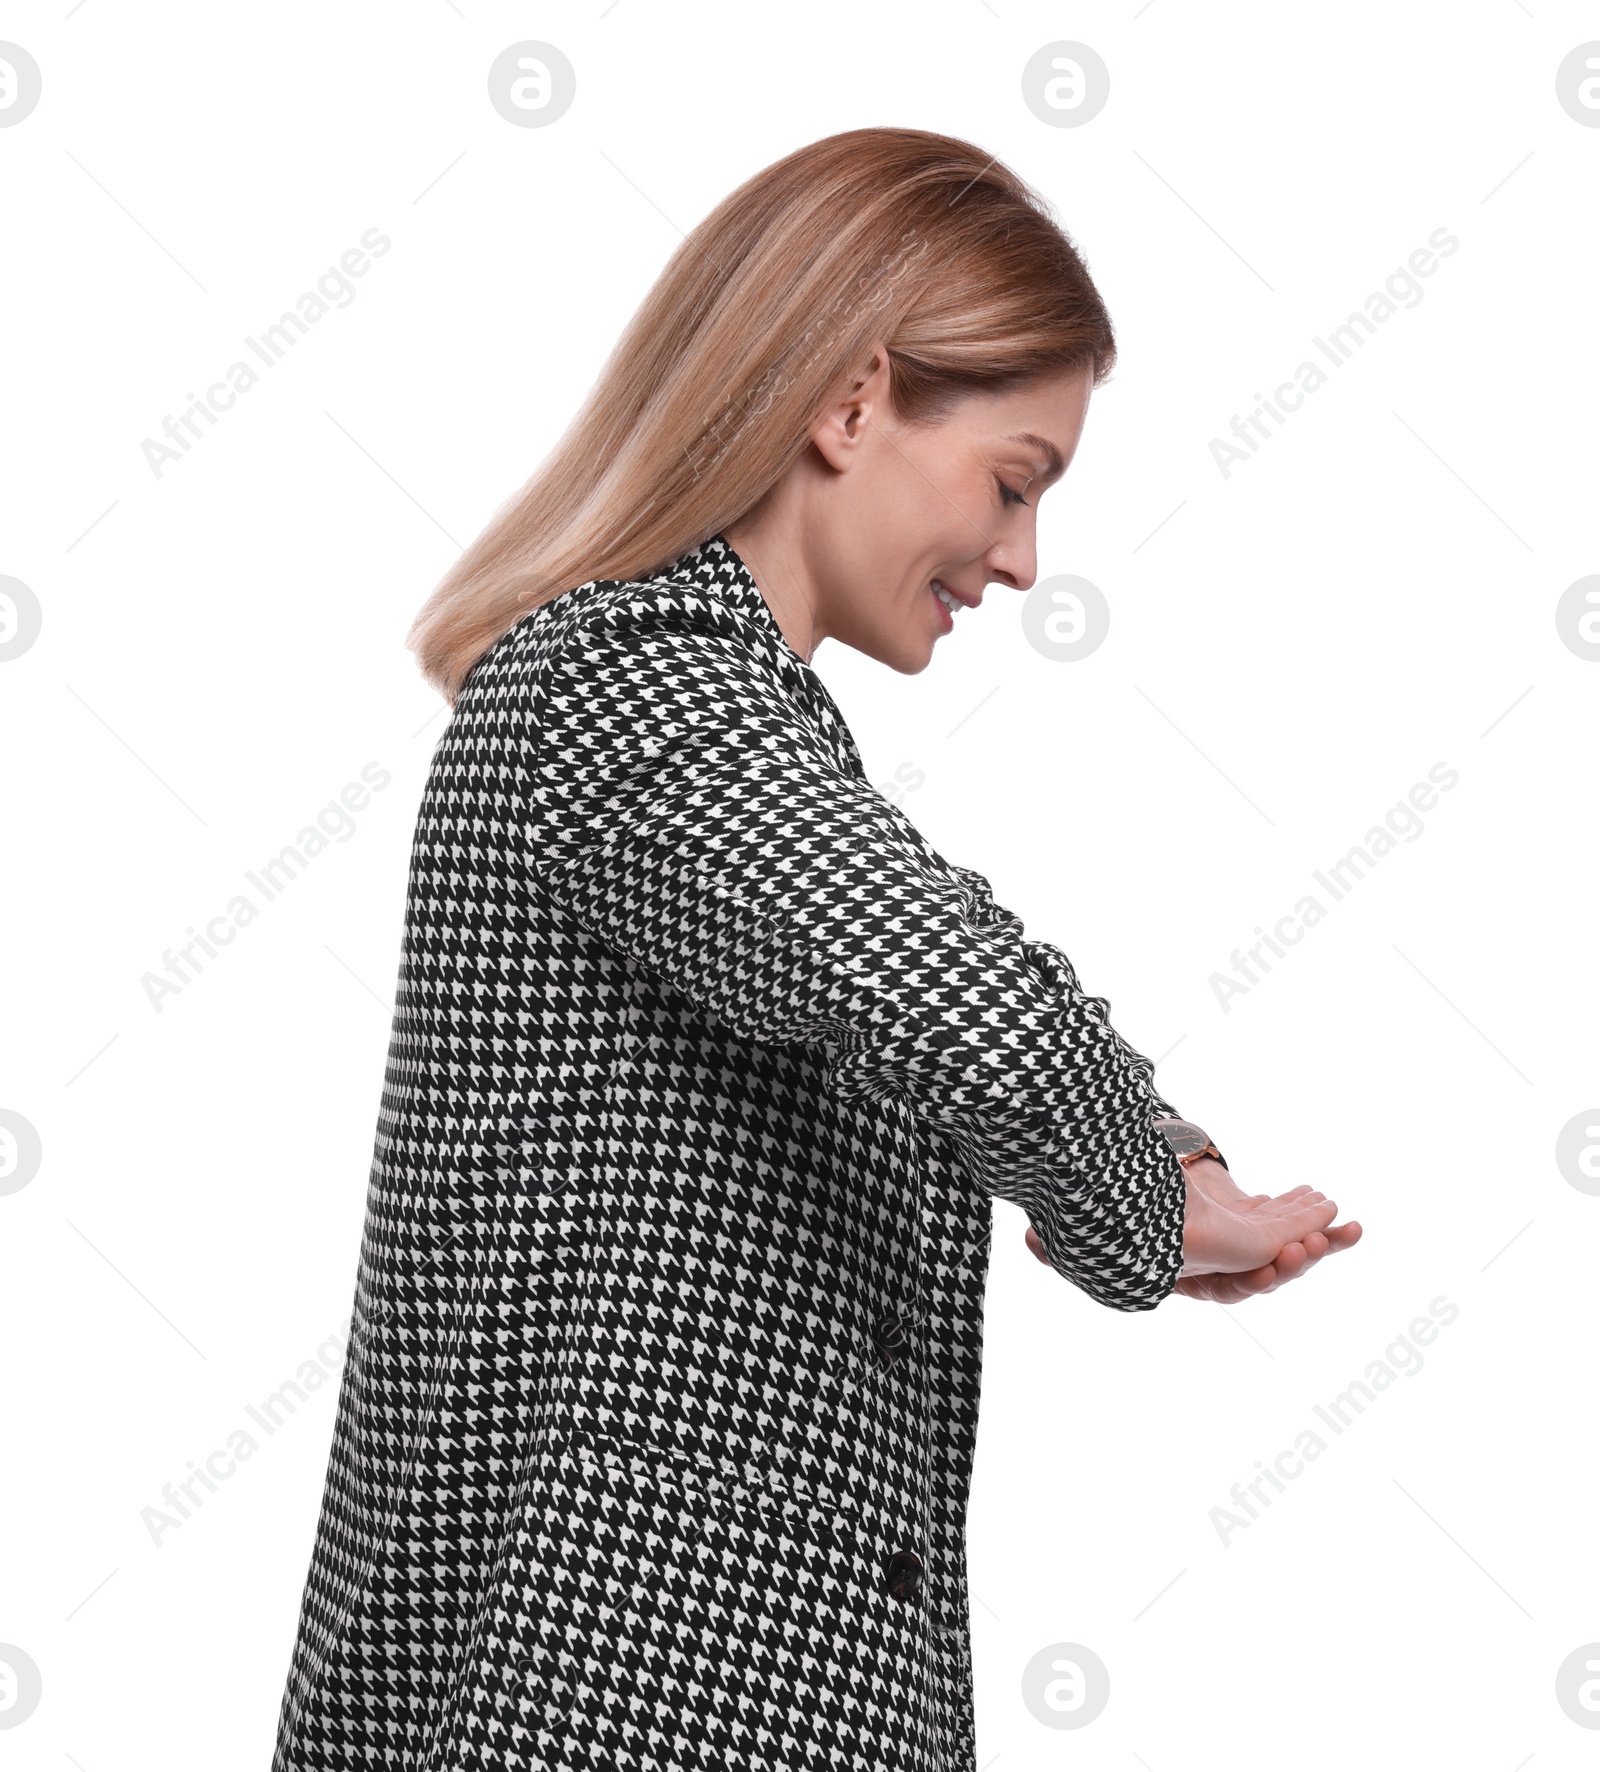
(1236, 1245)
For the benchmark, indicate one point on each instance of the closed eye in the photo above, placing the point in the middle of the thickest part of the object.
(1010, 497)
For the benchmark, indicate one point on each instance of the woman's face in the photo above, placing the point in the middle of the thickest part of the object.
(898, 529)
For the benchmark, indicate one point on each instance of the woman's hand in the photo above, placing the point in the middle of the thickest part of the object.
(1236, 1245)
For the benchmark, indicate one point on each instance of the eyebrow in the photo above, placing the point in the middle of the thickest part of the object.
(1045, 447)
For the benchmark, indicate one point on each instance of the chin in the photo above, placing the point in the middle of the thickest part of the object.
(907, 660)
(902, 651)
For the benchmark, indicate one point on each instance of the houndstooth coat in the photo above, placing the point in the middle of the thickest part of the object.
(657, 1416)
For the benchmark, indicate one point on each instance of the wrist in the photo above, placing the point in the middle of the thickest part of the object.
(1190, 1143)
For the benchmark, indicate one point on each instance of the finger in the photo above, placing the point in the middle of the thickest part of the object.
(1230, 1288)
(1293, 1262)
(1289, 1264)
(1290, 1205)
(1296, 1259)
(1296, 1196)
(1311, 1214)
(1317, 1249)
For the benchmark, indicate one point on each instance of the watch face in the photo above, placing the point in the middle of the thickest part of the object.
(1184, 1136)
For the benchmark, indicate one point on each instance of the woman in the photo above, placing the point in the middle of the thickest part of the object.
(658, 1411)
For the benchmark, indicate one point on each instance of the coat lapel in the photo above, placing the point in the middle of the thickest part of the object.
(713, 565)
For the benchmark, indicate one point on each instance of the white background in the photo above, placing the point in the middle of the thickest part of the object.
(1292, 646)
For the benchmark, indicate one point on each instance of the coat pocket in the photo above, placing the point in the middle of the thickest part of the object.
(722, 1618)
(718, 1491)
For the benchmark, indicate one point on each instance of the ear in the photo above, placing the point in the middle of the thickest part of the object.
(839, 433)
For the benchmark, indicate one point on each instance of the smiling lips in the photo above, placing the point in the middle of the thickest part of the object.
(949, 602)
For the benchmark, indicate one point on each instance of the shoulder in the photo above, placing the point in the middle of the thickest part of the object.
(657, 658)
(676, 660)
(614, 616)
(630, 666)
(655, 640)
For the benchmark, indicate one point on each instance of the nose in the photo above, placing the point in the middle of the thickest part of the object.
(1011, 564)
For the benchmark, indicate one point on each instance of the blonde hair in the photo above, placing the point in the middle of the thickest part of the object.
(756, 325)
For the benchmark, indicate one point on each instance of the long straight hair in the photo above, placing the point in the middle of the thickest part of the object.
(758, 322)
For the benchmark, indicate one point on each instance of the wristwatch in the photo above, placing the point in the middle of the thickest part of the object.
(1189, 1142)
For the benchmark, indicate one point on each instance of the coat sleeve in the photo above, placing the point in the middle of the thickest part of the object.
(688, 814)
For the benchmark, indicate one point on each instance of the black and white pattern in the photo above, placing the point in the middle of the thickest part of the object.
(657, 1419)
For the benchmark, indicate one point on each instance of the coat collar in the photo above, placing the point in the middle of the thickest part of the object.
(714, 566)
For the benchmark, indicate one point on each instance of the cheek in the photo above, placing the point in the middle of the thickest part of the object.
(937, 493)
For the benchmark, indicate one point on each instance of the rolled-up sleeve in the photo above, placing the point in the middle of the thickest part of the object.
(688, 813)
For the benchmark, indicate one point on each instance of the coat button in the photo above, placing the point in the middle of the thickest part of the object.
(891, 1338)
(903, 1575)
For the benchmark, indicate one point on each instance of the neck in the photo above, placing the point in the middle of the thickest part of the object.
(775, 563)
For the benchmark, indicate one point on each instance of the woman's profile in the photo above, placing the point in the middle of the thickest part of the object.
(655, 1429)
